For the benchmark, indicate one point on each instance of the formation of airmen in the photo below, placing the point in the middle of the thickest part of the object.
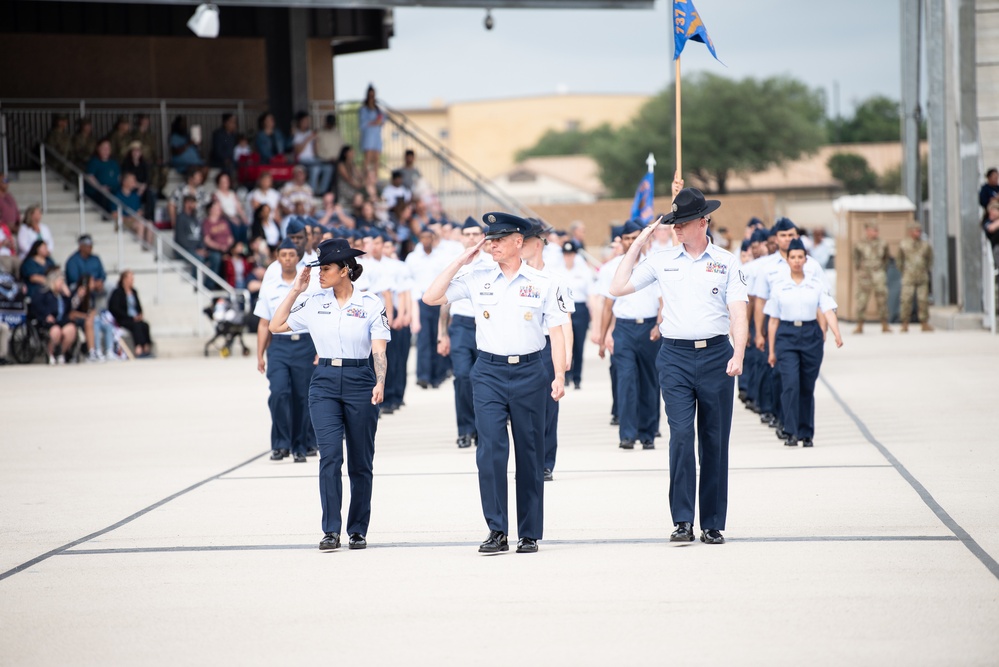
(504, 307)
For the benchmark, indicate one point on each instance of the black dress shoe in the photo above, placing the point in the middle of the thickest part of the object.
(548, 475)
(781, 433)
(627, 444)
(648, 444)
(330, 542)
(311, 451)
(807, 442)
(742, 395)
(464, 441)
(790, 441)
(475, 439)
(527, 545)
(279, 454)
(422, 384)
(356, 541)
(575, 385)
(659, 434)
(387, 409)
(495, 543)
(684, 532)
(712, 536)
(615, 421)
(300, 458)
(766, 418)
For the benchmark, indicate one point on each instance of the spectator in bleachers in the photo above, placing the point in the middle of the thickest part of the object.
(192, 187)
(131, 214)
(239, 270)
(9, 214)
(84, 143)
(120, 138)
(36, 265)
(216, 239)
(262, 256)
(126, 309)
(135, 163)
(334, 215)
(85, 314)
(10, 290)
(371, 119)
(410, 174)
(143, 133)
(371, 190)
(103, 176)
(303, 143)
(348, 181)
(32, 229)
(396, 190)
(329, 143)
(243, 148)
(264, 227)
(366, 218)
(232, 207)
(270, 142)
(224, 145)
(421, 217)
(59, 140)
(991, 227)
(184, 150)
(187, 229)
(9, 261)
(53, 309)
(265, 193)
(83, 263)
(297, 191)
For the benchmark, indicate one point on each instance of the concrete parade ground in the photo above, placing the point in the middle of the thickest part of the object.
(142, 524)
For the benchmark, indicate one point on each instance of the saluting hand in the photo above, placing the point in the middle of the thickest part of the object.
(302, 281)
(472, 252)
(677, 184)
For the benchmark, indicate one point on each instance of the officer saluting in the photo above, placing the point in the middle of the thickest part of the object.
(513, 304)
(704, 298)
(347, 326)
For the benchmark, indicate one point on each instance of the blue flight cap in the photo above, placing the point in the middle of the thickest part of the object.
(760, 235)
(745, 244)
(795, 244)
(616, 231)
(504, 224)
(755, 223)
(295, 226)
(287, 244)
(471, 223)
(333, 251)
(571, 245)
(783, 225)
(425, 229)
(633, 226)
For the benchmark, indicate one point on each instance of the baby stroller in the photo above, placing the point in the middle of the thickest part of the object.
(229, 322)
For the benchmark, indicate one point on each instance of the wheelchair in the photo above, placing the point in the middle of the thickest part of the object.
(30, 339)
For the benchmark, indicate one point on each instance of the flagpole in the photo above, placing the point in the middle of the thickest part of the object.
(679, 142)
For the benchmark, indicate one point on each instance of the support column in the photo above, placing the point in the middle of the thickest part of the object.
(298, 56)
(970, 234)
(911, 14)
(936, 29)
(275, 25)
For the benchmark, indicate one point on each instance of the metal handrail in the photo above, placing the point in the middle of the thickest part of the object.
(201, 271)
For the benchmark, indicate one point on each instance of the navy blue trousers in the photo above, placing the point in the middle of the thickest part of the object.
(463, 356)
(580, 325)
(695, 386)
(613, 376)
(637, 386)
(289, 371)
(430, 366)
(340, 402)
(516, 392)
(551, 407)
(397, 358)
(799, 353)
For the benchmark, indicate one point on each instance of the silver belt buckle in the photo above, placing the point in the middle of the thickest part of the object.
(640, 320)
(336, 362)
(797, 323)
(699, 344)
(296, 336)
(513, 360)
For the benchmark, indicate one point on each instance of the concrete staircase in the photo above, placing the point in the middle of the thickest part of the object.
(171, 304)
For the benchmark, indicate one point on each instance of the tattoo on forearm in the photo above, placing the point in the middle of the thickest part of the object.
(381, 364)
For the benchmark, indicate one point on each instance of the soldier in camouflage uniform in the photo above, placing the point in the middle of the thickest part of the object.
(915, 258)
(58, 138)
(870, 261)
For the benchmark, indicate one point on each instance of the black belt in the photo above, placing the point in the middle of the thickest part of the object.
(509, 359)
(798, 323)
(640, 320)
(343, 362)
(463, 319)
(695, 344)
(293, 338)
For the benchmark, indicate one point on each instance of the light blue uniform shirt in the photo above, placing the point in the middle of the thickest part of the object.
(271, 295)
(581, 280)
(510, 315)
(642, 305)
(464, 307)
(775, 269)
(341, 333)
(799, 302)
(696, 291)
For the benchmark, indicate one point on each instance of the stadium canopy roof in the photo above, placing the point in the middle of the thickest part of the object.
(388, 4)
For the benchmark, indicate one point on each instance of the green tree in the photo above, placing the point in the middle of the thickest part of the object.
(570, 142)
(853, 172)
(877, 118)
(728, 126)
(891, 181)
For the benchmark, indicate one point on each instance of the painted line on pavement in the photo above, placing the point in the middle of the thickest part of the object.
(960, 533)
(437, 545)
(126, 520)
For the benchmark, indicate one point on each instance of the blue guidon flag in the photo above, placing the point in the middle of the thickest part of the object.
(642, 208)
(687, 24)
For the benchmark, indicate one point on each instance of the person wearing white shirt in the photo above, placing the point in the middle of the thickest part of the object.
(33, 229)
(581, 284)
(304, 147)
(396, 191)
(425, 263)
(704, 300)
(400, 283)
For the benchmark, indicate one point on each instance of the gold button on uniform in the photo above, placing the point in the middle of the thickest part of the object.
(528, 316)
(485, 314)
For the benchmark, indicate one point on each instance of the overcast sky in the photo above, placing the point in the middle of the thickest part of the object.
(447, 54)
